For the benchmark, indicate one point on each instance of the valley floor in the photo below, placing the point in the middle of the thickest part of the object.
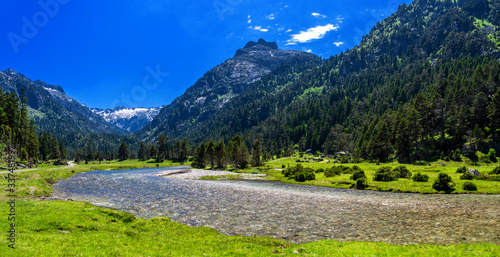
(63, 228)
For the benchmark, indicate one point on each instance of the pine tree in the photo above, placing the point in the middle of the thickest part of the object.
(494, 115)
(123, 152)
(220, 154)
(199, 158)
(152, 152)
(63, 155)
(256, 153)
(238, 152)
(142, 155)
(184, 149)
(210, 153)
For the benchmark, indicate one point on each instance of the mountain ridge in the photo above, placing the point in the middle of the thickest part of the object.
(218, 86)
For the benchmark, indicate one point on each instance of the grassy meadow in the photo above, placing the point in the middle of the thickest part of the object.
(66, 228)
(273, 169)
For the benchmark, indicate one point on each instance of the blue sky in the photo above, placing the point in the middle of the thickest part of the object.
(145, 53)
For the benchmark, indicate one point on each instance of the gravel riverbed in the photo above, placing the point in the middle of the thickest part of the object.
(292, 212)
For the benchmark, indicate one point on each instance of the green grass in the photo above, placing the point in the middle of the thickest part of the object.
(65, 228)
(401, 185)
(93, 231)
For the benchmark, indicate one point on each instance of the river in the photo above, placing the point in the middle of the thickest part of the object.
(294, 213)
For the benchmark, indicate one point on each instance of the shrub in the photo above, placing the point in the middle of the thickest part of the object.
(283, 166)
(462, 169)
(467, 176)
(383, 174)
(319, 170)
(304, 175)
(361, 183)
(333, 171)
(469, 186)
(443, 183)
(299, 173)
(358, 175)
(496, 171)
(403, 172)
(418, 177)
(355, 168)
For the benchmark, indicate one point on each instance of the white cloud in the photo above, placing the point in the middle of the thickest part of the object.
(271, 16)
(288, 31)
(308, 50)
(249, 21)
(318, 15)
(338, 43)
(340, 19)
(259, 28)
(311, 34)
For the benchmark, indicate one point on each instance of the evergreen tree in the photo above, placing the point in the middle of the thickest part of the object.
(210, 153)
(238, 152)
(152, 152)
(199, 158)
(123, 152)
(494, 113)
(220, 154)
(54, 148)
(63, 155)
(142, 155)
(90, 151)
(256, 153)
(184, 149)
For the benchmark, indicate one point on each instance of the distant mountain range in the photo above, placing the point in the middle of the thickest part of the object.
(130, 119)
(53, 110)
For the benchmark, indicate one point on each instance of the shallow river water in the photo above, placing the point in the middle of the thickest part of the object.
(295, 213)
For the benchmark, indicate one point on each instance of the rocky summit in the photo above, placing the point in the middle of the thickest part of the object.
(219, 85)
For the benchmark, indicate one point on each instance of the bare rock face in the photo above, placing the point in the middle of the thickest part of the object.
(218, 86)
(474, 172)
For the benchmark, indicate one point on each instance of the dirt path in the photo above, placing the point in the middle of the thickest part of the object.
(70, 165)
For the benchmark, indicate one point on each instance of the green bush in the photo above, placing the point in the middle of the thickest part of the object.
(403, 172)
(319, 170)
(496, 171)
(383, 174)
(356, 168)
(462, 169)
(299, 173)
(304, 175)
(361, 183)
(333, 171)
(443, 183)
(418, 177)
(469, 186)
(358, 175)
(467, 176)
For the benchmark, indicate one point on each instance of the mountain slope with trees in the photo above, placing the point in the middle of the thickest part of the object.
(218, 87)
(423, 83)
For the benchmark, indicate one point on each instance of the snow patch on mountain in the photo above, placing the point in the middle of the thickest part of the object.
(131, 119)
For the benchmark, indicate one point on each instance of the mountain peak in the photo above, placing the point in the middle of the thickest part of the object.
(262, 42)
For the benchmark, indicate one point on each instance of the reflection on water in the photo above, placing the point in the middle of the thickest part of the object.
(295, 213)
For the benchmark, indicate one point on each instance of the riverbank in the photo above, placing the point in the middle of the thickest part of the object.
(62, 228)
(194, 174)
(403, 185)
